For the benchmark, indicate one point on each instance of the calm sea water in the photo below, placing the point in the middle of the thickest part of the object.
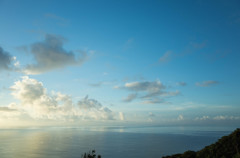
(110, 142)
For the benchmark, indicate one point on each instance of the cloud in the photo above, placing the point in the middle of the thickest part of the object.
(50, 55)
(180, 118)
(150, 114)
(202, 118)
(93, 106)
(154, 101)
(130, 97)
(150, 87)
(60, 20)
(87, 103)
(129, 43)
(5, 60)
(96, 84)
(166, 57)
(206, 83)
(217, 118)
(221, 117)
(7, 109)
(37, 103)
(28, 90)
(198, 45)
(181, 83)
(121, 116)
(150, 92)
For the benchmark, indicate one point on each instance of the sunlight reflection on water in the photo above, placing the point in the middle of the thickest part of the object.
(110, 142)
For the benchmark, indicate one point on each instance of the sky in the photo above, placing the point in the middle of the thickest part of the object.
(119, 62)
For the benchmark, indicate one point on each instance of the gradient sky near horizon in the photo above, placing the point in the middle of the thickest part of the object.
(140, 62)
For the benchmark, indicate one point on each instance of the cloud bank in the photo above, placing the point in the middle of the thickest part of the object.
(35, 103)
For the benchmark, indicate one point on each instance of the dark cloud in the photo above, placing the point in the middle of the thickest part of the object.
(5, 60)
(206, 83)
(50, 54)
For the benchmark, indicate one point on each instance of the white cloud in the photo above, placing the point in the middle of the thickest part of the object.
(50, 54)
(28, 90)
(37, 103)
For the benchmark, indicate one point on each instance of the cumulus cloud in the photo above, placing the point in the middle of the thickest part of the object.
(37, 103)
(166, 57)
(95, 109)
(50, 54)
(5, 60)
(151, 92)
(206, 83)
(130, 97)
(28, 90)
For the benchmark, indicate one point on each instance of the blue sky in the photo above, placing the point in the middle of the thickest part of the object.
(120, 62)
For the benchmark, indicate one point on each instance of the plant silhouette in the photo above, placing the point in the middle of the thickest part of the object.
(91, 154)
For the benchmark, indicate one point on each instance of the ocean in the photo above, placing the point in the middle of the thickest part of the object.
(109, 142)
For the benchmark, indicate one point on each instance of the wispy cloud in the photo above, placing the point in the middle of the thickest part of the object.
(60, 20)
(130, 97)
(181, 83)
(206, 83)
(150, 92)
(96, 84)
(50, 54)
(217, 118)
(128, 44)
(166, 57)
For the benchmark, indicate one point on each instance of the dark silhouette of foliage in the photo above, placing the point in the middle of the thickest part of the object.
(226, 147)
(91, 154)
